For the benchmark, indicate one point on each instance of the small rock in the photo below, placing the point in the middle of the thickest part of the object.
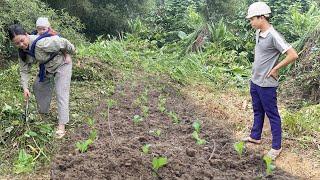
(127, 164)
(191, 152)
(177, 173)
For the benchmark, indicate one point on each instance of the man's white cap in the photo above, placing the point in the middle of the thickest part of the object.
(258, 9)
(43, 22)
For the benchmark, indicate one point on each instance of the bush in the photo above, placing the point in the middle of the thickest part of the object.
(15, 11)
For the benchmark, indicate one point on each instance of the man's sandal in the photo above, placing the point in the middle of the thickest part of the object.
(251, 140)
(273, 153)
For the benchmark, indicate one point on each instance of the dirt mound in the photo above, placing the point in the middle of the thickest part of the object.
(119, 156)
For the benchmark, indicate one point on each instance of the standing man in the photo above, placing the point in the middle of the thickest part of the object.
(264, 82)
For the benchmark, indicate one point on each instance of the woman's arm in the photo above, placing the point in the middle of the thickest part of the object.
(25, 69)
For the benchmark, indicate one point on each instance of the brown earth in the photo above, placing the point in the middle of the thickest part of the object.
(118, 155)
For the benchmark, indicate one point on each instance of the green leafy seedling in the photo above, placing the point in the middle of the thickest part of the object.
(174, 117)
(158, 162)
(83, 146)
(111, 103)
(157, 132)
(145, 111)
(137, 119)
(197, 126)
(146, 148)
(161, 104)
(91, 122)
(144, 96)
(269, 166)
(93, 135)
(239, 147)
(24, 163)
(200, 141)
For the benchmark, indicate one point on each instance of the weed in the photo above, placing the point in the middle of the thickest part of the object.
(93, 134)
(91, 122)
(158, 162)
(144, 96)
(137, 119)
(156, 132)
(146, 148)
(145, 111)
(269, 166)
(239, 147)
(111, 103)
(161, 104)
(174, 117)
(24, 163)
(200, 141)
(83, 146)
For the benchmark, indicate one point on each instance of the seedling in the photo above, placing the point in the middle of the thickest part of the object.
(144, 96)
(91, 122)
(93, 135)
(161, 104)
(145, 111)
(24, 163)
(174, 117)
(269, 166)
(239, 147)
(200, 141)
(137, 102)
(157, 132)
(159, 162)
(137, 119)
(146, 148)
(83, 146)
(111, 103)
(197, 126)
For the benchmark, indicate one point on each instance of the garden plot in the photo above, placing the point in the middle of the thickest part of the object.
(148, 130)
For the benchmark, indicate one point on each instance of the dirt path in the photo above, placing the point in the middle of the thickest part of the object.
(120, 156)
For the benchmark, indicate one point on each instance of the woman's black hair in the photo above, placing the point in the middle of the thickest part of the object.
(14, 30)
(17, 29)
(22, 55)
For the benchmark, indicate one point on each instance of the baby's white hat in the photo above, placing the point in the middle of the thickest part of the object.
(42, 21)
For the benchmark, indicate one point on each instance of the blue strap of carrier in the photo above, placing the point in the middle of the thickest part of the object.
(31, 52)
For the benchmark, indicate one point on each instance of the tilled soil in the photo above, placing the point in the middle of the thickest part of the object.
(118, 155)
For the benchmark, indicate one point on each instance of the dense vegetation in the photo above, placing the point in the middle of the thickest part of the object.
(191, 41)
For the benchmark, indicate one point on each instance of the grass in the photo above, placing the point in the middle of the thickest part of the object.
(305, 122)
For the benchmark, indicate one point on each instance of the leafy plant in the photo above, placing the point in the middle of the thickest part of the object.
(24, 163)
(146, 148)
(161, 104)
(239, 147)
(145, 111)
(111, 103)
(137, 119)
(200, 141)
(269, 166)
(174, 117)
(91, 122)
(93, 134)
(197, 126)
(158, 162)
(83, 146)
(155, 132)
